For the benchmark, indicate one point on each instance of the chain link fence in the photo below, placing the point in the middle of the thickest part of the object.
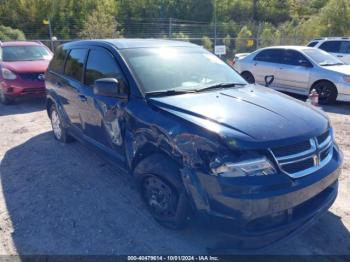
(207, 35)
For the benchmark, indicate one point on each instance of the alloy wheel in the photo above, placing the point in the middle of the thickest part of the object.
(56, 124)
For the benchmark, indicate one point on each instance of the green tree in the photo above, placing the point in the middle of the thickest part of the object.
(242, 41)
(227, 42)
(207, 43)
(99, 25)
(180, 36)
(7, 33)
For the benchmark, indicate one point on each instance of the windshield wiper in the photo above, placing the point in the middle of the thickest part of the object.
(334, 64)
(220, 85)
(170, 92)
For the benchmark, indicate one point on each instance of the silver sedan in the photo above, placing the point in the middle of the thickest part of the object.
(298, 69)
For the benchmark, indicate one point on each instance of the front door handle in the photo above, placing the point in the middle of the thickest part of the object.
(82, 98)
(339, 56)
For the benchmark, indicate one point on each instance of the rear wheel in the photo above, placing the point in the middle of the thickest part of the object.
(5, 99)
(327, 92)
(163, 192)
(248, 77)
(58, 129)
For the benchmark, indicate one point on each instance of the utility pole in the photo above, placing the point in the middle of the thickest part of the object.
(50, 33)
(215, 33)
(48, 23)
(170, 28)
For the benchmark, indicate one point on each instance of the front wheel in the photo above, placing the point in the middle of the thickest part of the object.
(327, 92)
(163, 192)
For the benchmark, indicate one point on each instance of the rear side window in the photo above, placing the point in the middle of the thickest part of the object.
(345, 47)
(100, 64)
(331, 46)
(75, 63)
(57, 62)
(312, 44)
(292, 57)
(270, 55)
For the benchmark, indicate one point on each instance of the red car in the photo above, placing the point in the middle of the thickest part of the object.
(22, 65)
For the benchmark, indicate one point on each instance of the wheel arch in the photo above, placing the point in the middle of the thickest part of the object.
(322, 80)
(49, 103)
(148, 150)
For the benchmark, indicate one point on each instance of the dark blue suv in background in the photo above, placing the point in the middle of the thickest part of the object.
(198, 139)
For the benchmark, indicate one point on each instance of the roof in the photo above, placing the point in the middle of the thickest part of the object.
(295, 47)
(20, 43)
(331, 38)
(124, 43)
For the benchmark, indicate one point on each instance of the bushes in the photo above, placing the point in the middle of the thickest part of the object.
(7, 33)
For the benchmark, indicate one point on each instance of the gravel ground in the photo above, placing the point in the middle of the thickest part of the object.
(64, 199)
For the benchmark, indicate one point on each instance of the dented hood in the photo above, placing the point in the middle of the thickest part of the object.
(252, 112)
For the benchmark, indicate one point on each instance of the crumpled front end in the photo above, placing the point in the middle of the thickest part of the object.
(265, 209)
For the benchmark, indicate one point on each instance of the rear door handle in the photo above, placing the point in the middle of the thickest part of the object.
(82, 98)
(339, 56)
(59, 84)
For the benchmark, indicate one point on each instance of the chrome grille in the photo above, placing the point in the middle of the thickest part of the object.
(32, 76)
(304, 158)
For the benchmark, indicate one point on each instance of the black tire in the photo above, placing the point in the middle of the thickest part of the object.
(161, 187)
(63, 137)
(248, 77)
(327, 92)
(5, 100)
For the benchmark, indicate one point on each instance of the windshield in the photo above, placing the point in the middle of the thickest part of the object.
(322, 58)
(179, 68)
(24, 53)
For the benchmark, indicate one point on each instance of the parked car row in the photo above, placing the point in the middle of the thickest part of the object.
(298, 69)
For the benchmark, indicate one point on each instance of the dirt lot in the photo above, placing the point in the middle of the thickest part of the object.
(64, 199)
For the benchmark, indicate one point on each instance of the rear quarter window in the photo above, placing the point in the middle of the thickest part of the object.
(312, 44)
(58, 59)
(270, 55)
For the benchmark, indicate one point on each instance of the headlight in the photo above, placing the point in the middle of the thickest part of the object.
(346, 79)
(255, 167)
(8, 74)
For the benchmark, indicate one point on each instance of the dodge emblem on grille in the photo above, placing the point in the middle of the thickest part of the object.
(41, 77)
(316, 160)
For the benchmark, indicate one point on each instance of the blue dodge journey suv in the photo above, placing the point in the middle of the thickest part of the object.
(198, 139)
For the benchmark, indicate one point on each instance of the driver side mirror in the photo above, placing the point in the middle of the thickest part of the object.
(305, 63)
(110, 87)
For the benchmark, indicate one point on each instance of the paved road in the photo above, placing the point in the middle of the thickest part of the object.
(64, 199)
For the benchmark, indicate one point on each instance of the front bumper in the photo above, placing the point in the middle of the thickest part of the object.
(19, 88)
(262, 213)
(343, 92)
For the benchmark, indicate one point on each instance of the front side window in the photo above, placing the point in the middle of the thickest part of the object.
(331, 46)
(345, 47)
(269, 55)
(100, 64)
(178, 68)
(75, 63)
(25, 53)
